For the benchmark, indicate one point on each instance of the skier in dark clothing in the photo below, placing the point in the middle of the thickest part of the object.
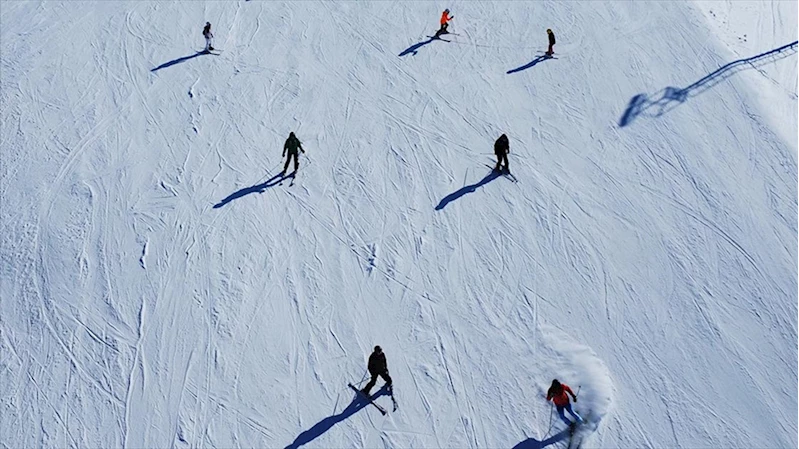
(292, 145)
(501, 149)
(209, 37)
(551, 36)
(377, 367)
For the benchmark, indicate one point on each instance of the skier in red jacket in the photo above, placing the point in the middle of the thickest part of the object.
(557, 394)
(445, 18)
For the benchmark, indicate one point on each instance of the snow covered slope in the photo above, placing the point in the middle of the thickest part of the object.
(161, 287)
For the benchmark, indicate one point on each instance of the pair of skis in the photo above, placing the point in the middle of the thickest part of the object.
(438, 36)
(505, 173)
(292, 175)
(576, 436)
(543, 54)
(372, 401)
(579, 431)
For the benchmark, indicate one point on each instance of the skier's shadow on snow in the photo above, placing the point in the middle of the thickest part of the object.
(413, 48)
(670, 97)
(467, 189)
(532, 443)
(530, 64)
(324, 425)
(179, 60)
(259, 188)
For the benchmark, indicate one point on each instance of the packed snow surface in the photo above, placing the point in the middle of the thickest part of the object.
(162, 286)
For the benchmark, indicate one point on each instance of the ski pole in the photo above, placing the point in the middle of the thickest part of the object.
(549, 429)
(363, 378)
(269, 172)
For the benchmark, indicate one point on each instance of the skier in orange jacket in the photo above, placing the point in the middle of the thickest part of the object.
(445, 18)
(557, 394)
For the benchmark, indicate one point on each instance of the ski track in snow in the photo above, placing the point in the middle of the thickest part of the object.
(161, 289)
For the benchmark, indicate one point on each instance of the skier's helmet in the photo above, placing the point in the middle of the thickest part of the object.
(549, 31)
(207, 24)
(378, 349)
(446, 11)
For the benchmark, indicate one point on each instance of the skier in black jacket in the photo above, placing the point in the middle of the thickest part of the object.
(377, 367)
(551, 36)
(501, 149)
(292, 145)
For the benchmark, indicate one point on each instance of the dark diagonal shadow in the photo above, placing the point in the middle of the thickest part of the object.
(324, 425)
(252, 189)
(467, 189)
(669, 98)
(528, 65)
(532, 443)
(413, 48)
(178, 61)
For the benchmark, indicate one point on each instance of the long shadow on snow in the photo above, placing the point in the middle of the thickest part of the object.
(532, 443)
(274, 180)
(671, 97)
(179, 60)
(324, 425)
(413, 48)
(467, 189)
(528, 65)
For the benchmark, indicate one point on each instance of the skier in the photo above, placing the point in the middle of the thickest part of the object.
(377, 367)
(551, 36)
(557, 394)
(501, 149)
(208, 37)
(445, 18)
(292, 145)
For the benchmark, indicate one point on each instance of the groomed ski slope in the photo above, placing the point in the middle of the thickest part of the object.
(159, 288)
